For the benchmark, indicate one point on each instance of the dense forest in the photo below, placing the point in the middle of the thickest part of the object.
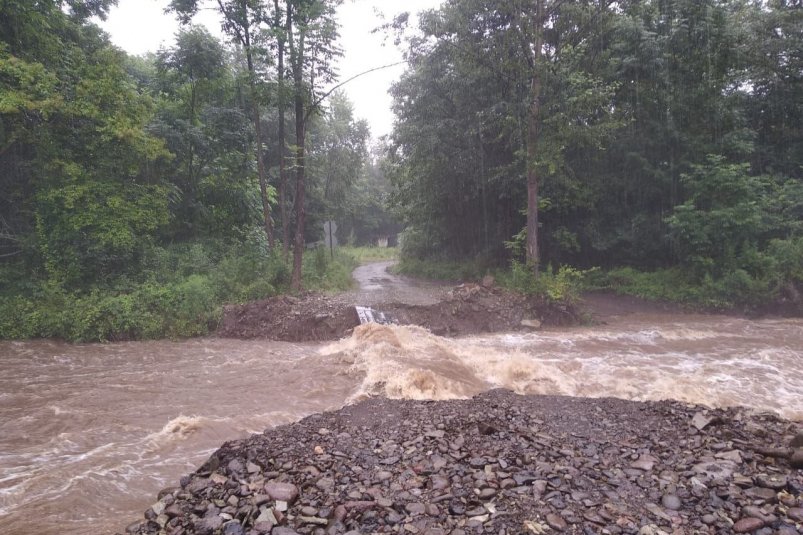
(658, 135)
(137, 194)
(657, 140)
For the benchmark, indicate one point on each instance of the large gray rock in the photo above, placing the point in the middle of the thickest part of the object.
(721, 469)
(286, 492)
(796, 460)
(747, 525)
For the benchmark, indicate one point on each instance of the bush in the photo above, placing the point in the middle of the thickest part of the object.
(321, 272)
(562, 286)
(735, 288)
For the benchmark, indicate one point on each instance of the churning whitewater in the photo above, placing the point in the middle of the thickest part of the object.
(122, 421)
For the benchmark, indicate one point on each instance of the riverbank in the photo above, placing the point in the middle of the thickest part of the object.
(498, 463)
(178, 292)
(462, 310)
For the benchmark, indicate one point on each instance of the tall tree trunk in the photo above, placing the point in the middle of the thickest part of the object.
(263, 181)
(533, 132)
(282, 140)
(298, 246)
(297, 59)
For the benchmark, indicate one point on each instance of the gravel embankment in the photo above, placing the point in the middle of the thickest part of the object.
(499, 463)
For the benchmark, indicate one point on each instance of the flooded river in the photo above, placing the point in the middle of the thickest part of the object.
(90, 433)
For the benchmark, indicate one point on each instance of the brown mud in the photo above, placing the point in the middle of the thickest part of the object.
(465, 309)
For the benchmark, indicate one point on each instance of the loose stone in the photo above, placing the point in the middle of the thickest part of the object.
(671, 501)
(570, 465)
(285, 492)
(556, 522)
(746, 525)
(796, 461)
(775, 481)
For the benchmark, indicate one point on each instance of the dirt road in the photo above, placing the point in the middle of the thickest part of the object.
(376, 284)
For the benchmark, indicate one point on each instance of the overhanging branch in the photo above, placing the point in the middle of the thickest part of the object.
(341, 84)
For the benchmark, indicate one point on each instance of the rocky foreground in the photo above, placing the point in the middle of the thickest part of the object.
(499, 463)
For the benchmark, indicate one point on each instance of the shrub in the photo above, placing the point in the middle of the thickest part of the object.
(561, 286)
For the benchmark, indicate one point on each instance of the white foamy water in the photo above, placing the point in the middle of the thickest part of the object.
(715, 361)
(90, 433)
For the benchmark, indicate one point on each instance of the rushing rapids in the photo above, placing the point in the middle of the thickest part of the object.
(91, 432)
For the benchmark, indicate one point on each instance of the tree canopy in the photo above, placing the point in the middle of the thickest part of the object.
(642, 134)
(641, 107)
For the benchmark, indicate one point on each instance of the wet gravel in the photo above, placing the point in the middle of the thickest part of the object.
(376, 284)
(499, 463)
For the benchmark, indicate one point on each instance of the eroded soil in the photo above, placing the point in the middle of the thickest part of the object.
(466, 309)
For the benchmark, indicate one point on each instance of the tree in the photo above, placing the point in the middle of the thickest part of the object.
(533, 131)
(81, 194)
(282, 25)
(337, 156)
(525, 93)
(241, 20)
(205, 129)
(311, 36)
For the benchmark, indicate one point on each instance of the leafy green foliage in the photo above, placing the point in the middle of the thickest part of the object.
(737, 235)
(322, 272)
(561, 286)
(180, 293)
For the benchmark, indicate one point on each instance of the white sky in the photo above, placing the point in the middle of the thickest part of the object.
(140, 26)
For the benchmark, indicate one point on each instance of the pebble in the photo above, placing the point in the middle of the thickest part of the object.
(775, 481)
(760, 495)
(671, 501)
(325, 483)
(556, 522)
(415, 508)
(746, 525)
(645, 463)
(733, 455)
(233, 528)
(286, 492)
(487, 494)
(796, 460)
(426, 468)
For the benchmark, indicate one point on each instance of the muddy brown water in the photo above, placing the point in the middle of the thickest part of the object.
(90, 433)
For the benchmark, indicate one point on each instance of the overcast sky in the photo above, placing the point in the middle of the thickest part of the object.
(140, 26)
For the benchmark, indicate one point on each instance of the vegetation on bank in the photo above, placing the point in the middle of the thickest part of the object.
(735, 291)
(179, 292)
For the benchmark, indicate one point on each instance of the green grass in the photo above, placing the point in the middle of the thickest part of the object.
(324, 273)
(734, 289)
(442, 270)
(363, 255)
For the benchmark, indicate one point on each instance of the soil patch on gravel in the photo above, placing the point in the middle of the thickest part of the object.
(466, 309)
(498, 463)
